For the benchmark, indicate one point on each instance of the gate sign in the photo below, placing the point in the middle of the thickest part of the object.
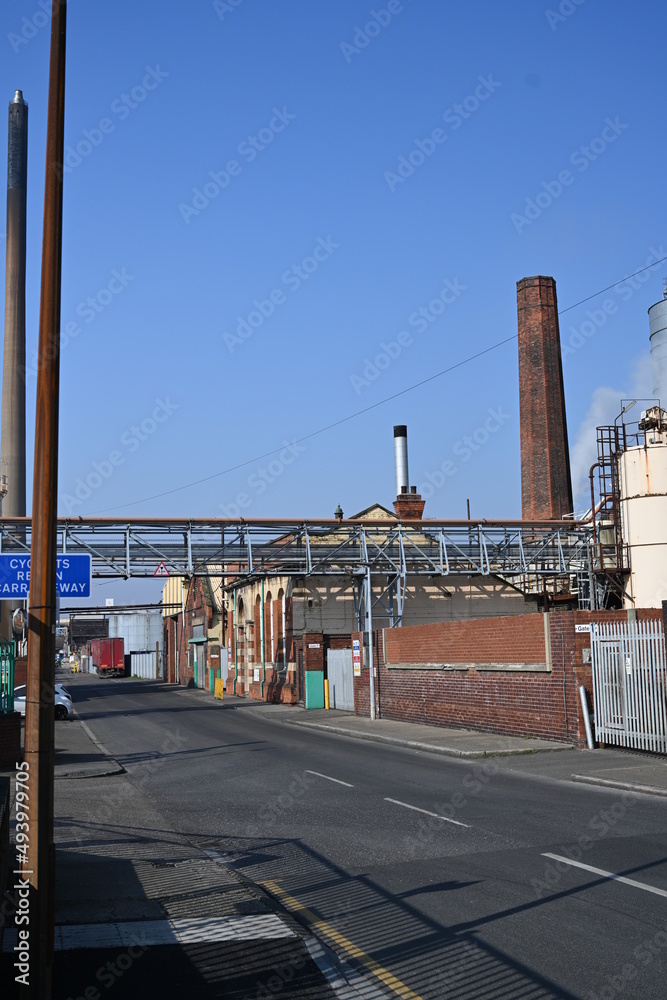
(72, 576)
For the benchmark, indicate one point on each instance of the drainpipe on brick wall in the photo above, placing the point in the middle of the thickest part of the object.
(261, 633)
(236, 644)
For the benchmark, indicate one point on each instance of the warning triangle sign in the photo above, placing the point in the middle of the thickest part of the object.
(161, 570)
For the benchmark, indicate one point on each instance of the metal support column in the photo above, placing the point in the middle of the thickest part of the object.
(369, 629)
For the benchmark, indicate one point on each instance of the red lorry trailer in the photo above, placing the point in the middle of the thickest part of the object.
(108, 657)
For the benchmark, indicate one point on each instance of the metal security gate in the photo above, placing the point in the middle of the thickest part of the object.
(341, 679)
(629, 677)
(144, 665)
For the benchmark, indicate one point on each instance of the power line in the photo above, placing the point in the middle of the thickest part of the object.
(367, 409)
(321, 430)
(595, 294)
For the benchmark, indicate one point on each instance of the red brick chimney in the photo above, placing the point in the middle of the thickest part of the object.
(409, 506)
(546, 485)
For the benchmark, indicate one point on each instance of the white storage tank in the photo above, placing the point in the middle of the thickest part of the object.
(643, 490)
(657, 316)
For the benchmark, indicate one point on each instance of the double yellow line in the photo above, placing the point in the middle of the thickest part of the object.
(399, 988)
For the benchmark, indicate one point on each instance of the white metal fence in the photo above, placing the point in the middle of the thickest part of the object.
(629, 678)
(144, 665)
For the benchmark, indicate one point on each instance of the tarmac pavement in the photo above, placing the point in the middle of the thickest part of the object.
(131, 894)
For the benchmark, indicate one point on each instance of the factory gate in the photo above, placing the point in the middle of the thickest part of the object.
(629, 677)
(341, 679)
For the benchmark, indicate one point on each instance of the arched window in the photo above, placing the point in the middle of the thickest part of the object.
(280, 647)
(258, 629)
(268, 628)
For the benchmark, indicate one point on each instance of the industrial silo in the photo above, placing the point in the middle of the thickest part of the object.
(657, 316)
(642, 477)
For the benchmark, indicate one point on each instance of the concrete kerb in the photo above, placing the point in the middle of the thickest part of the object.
(626, 786)
(417, 745)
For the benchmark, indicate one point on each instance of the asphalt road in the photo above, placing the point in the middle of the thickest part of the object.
(435, 877)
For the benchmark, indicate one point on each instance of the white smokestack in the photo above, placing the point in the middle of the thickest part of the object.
(401, 459)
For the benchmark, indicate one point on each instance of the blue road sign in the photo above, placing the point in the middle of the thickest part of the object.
(72, 576)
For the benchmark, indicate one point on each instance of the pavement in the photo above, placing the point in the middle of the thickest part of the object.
(187, 923)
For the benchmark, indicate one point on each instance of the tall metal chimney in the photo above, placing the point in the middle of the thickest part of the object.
(401, 459)
(12, 438)
(408, 504)
(546, 484)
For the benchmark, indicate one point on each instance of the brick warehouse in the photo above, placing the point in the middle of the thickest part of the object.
(485, 651)
(513, 675)
(304, 617)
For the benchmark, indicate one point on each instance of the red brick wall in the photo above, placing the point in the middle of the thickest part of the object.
(169, 639)
(338, 642)
(196, 609)
(518, 703)
(490, 640)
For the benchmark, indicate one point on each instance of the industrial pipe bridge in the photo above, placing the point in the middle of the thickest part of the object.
(524, 553)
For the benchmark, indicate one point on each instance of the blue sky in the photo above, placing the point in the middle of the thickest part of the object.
(261, 199)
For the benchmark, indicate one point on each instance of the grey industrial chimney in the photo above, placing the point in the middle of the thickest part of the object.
(12, 438)
(408, 505)
(401, 459)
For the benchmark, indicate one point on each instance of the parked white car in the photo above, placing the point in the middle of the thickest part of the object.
(62, 698)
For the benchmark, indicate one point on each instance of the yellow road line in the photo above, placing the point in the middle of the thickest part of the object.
(399, 988)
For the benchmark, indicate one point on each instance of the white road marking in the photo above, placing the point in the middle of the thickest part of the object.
(445, 819)
(600, 871)
(337, 780)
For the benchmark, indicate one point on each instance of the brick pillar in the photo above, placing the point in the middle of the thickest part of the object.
(546, 485)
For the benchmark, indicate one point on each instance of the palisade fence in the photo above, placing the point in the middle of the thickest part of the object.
(7, 650)
(629, 678)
